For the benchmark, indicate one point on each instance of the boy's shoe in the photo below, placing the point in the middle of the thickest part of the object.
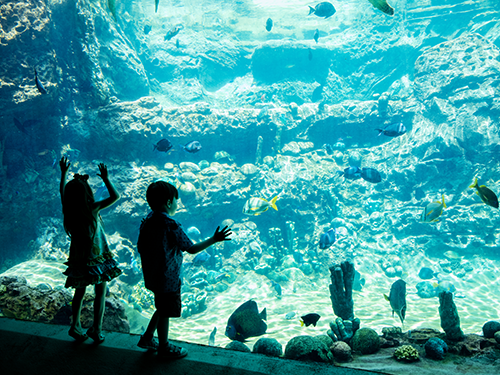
(150, 344)
(171, 352)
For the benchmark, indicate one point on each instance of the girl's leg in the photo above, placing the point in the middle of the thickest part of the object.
(76, 306)
(99, 303)
(153, 324)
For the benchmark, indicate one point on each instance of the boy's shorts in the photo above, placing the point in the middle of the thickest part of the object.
(169, 304)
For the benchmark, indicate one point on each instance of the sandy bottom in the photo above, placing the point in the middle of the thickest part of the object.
(476, 299)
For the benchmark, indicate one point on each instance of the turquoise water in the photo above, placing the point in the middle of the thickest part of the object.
(277, 114)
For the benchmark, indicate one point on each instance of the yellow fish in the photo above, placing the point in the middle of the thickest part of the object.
(432, 211)
(256, 206)
(383, 6)
(486, 195)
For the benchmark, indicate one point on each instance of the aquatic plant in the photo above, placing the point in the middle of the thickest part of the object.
(406, 353)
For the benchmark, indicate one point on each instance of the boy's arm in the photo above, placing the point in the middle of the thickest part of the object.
(64, 165)
(217, 237)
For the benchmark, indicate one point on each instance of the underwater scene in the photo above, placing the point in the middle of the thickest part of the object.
(352, 146)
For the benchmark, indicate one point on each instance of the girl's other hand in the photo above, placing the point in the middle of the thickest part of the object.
(104, 171)
(64, 164)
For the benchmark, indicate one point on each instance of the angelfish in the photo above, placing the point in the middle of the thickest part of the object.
(397, 299)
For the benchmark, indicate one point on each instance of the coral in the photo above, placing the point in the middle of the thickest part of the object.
(307, 348)
(269, 347)
(341, 289)
(343, 330)
(435, 348)
(450, 321)
(406, 353)
(291, 236)
(341, 351)
(490, 328)
(258, 153)
(365, 341)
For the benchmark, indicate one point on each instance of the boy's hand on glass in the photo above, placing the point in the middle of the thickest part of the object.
(222, 235)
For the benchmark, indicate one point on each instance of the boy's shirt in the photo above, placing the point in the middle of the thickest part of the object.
(161, 243)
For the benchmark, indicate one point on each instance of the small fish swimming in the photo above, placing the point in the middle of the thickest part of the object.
(486, 195)
(309, 319)
(164, 145)
(444, 286)
(310, 54)
(371, 175)
(269, 24)
(211, 339)
(147, 29)
(256, 206)
(192, 147)
(246, 321)
(351, 173)
(290, 315)
(392, 130)
(358, 282)
(172, 32)
(452, 255)
(432, 211)
(157, 2)
(328, 238)
(397, 298)
(426, 273)
(324, 9)
(39, 85)
(201, 258)
(383, 6)
(316, 36)
(276, 287)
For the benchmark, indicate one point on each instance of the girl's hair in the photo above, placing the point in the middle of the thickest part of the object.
(77, 207)
(159, 193)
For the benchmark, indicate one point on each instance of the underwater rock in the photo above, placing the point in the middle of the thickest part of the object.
(188, 166)
(188, 190)
(325, 339)
(435, 348)
(490, 328)
(341, 351)
(342, 277)
(238, 346)
(450, 321)
(406, 353)
(307, 348)
(269, 347)
(421, 335)
(365, 341)
(497, 337)
(249, 169)
(115, 318)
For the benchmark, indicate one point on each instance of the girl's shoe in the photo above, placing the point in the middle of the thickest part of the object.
(150, 344)
(97, 337)
(80, 337)
(170, 351)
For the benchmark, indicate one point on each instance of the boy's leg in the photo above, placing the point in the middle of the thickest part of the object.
(76, 306)
(99, 304)
(162, 330)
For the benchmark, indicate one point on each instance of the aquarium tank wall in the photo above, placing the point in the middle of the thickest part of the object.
(318, 138)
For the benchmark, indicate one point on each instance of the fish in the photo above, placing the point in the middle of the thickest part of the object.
(310, 54)
(397, 299)
(112, 7)
(452, 255)
(328, 148)
(290, 315)
(324, 9)
(371, 175)
(392, 130)
(177, 43)
(309, 319)
(39, 85)
(328, 238)
(316, 36)
(157, 2)
(246, 321)
(163, 145)
(211, 339)
(263, 112)
(269, 24)
(172, 32)
(426, 273)
(24, 126)
(358, 282)
(486, 195)
(256, 206)
(432, 211)
(426, 289)
(255, 248)
(444, 286)
(200, 258)
(351, 173)
(277, 287)
(192, 147)
(383, 6)
(147, 29)
(298, 257)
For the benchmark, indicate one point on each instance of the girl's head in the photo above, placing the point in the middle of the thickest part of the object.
(77, 205)
(162, 196)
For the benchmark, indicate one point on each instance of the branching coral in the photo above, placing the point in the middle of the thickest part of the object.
(406, 353)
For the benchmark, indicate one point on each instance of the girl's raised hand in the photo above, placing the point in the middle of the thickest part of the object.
(104, 171)
(64, 164)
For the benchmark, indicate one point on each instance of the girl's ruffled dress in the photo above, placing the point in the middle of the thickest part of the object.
(90, 262)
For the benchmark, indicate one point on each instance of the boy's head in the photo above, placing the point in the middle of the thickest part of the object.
(160, 193)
